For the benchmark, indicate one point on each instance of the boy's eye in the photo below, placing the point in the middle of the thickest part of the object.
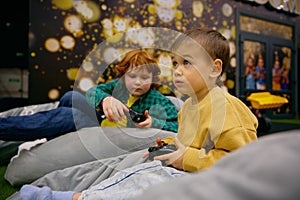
(175, 64)
(145, 77)
(131, 75)
(185, 62)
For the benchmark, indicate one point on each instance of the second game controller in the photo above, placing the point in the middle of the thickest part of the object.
(136, 116)
(161, 150)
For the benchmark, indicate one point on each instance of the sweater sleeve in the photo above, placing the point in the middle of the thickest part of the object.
(170, 125)
(198, 159)
(96, 94)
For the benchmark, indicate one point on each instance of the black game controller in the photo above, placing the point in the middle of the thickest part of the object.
(161, 150)
(136, 116)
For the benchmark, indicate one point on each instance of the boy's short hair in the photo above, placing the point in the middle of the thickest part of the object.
(214, 43)
(138, 58)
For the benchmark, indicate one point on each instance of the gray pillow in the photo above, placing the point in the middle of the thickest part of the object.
(84, 145)
(10, 148)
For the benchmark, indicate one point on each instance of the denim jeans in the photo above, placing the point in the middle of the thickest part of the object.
(52, 123)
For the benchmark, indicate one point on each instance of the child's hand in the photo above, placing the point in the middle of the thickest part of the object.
(147, 123)
(114, 109)
(158, 143)
(176, 158)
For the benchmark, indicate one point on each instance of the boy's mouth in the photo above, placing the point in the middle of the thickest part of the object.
(177, 82)
(137, 89)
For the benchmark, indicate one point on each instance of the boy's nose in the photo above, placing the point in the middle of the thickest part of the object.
(138, 81)
(178, 72)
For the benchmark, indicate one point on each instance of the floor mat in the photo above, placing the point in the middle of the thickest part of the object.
(5, 188)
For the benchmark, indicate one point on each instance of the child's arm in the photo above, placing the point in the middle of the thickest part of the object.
(96, 94)
(170, 124)
(113, 109)
(198, 159)
(164, 115)
(159, 142)
(175, 158)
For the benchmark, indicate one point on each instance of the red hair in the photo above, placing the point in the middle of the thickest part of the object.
(138, 58)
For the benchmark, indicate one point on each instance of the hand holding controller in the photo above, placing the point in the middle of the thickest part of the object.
(161, 149)
(136, 116)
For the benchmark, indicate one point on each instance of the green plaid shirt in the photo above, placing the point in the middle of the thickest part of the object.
(163, 112)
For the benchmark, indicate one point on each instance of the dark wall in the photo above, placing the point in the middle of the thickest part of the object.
(298, 86)
(14, 20)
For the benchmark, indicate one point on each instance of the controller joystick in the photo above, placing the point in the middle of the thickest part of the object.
(162, 149)
(136, 116)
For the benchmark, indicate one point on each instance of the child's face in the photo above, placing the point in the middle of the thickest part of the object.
(276, 64)
(138, 81)
(250, 62)
(260, 63)
(191, 69)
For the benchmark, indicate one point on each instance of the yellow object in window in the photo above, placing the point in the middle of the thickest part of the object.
(266, 100)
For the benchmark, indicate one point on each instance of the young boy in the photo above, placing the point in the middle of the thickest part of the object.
(212, 123)
(138, 72)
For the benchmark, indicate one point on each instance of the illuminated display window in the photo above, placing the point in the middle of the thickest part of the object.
(259, 26)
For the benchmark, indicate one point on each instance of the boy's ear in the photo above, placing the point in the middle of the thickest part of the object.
(216, 69)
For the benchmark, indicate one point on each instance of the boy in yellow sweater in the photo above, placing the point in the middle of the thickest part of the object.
(212, 123)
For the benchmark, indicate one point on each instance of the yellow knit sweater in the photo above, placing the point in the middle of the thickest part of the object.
(212, 128)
